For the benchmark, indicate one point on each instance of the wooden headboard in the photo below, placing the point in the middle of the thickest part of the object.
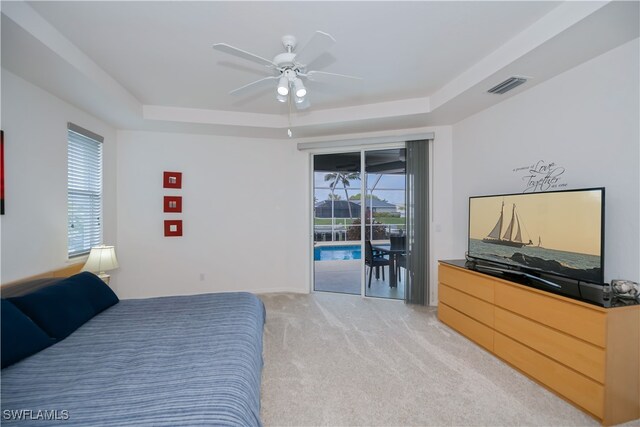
(30, 284)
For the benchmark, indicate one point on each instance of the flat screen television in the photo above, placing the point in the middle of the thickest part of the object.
(557, 232)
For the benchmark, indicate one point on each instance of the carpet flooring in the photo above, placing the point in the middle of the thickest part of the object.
(341, 360)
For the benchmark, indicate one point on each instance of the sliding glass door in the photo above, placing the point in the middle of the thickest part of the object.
(385, 223)
(359, 223)
(336, 223)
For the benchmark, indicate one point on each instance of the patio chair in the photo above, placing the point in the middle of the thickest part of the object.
(373, 261)
(398, 242)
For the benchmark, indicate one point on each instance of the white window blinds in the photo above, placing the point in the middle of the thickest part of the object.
(84, 190)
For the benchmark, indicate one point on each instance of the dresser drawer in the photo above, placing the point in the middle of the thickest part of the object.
(469, 283)
(576, 320)
(475, 331)
(579, 389)
(572, 352)
(464, 303)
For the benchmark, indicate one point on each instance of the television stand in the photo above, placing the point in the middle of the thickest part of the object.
(585, 353)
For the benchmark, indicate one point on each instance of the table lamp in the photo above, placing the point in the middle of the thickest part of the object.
(101, 258)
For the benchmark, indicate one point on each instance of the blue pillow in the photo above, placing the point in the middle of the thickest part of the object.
(20, 336)
(62, 308)
(98, 293)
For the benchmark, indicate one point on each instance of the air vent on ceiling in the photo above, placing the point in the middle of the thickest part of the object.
(507, 85)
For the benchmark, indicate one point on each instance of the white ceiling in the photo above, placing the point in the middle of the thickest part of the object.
(161, 51)
(150, 64)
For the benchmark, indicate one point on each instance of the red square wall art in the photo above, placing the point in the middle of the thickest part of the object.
(173, 204)
(172, 180)
(173, 228)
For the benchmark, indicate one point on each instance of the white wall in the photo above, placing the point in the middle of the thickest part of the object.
(585, 120)
(246, 203)
(246, 207)
(34, 227)
(245, 215)
(442, 196)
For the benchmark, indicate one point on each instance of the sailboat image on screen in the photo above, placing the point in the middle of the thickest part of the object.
(507, 238)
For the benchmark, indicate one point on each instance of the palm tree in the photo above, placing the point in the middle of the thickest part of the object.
(344, 179)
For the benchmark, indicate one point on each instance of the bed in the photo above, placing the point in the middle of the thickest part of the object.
(184, 360)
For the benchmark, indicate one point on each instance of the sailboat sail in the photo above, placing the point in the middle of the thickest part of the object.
(495, 233)
(519, 231)
(508, 232)
(514, 226)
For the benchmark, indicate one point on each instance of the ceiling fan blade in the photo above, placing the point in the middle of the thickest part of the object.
(252, 85)
(223, 47)
(303, 105)
(319, 44)
(310, 74)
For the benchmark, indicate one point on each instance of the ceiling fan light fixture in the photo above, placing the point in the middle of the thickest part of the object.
(283, 86)
(301, 91)
(287, 68)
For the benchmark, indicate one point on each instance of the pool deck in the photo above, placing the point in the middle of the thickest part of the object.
(344, 276)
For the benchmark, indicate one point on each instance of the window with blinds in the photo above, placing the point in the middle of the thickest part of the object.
(84, 190)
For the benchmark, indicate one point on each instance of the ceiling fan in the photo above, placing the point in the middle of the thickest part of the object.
(289, 68)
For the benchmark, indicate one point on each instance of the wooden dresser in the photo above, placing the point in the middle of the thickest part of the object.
(587, 354)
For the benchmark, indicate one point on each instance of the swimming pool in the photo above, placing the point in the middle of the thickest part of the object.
(337, 253)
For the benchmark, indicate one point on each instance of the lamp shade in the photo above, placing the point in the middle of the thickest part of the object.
(101, 259)
(301, 91)
(283, 86)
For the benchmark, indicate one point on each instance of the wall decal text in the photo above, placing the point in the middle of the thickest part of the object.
(541, 176)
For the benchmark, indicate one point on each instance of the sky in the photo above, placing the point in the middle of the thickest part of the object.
(390, 187)
(566, 221)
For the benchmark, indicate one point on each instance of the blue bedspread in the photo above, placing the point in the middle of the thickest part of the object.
(188, 360)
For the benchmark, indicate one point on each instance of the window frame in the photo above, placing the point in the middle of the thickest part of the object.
(89, 194)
